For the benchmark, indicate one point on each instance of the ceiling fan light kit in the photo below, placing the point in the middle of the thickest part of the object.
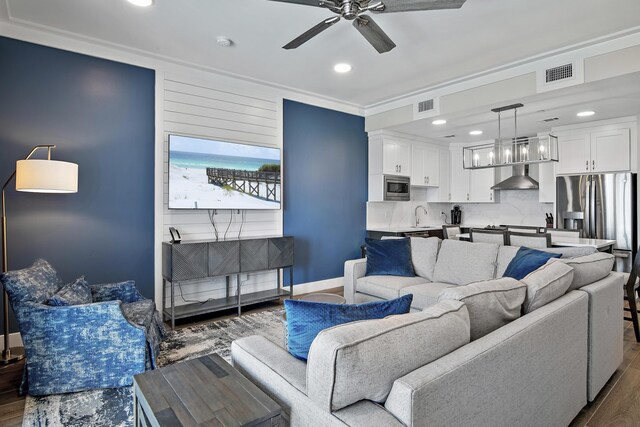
(510, 151)
(355, 10)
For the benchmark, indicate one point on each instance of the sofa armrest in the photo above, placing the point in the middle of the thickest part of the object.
(540, 357)
(79, 347)
(123, 291)
(605, 330)
(353, 270)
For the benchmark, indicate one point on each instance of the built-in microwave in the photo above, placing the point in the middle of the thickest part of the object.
(397, 188)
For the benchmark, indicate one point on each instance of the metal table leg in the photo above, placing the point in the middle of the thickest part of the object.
(239, 295)
(173, 307)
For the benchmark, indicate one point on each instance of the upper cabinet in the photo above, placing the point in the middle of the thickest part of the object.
(441, 193)
(473, 186)
(611, 150)
(389, 157)
(425, 166)
(594, 151)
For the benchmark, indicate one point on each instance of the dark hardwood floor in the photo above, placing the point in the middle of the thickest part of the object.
(618, 404)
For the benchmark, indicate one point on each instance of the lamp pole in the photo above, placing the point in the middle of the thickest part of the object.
(12, 355)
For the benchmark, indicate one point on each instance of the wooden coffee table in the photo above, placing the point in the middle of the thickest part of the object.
(206, 391)
(324, 297)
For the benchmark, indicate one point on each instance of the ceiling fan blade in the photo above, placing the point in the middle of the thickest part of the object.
(374, 34)
(306, 2)
(391, 6)
(308, 35)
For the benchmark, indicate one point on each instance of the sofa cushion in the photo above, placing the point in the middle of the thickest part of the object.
(425, 294)
(389, 257)
(526, 261)
(74, 293)
(361, 360)
(461, 262)
(491, 303)
(387, 287)
(546, 284)
(506, 254)
(37, 283)
(424, 253)
(305, 319)
(123, 291)
(590, 268)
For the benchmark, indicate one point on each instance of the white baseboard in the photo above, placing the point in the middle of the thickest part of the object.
(321, 285)
(15, 340)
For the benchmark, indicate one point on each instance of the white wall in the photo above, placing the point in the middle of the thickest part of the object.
(209, 109)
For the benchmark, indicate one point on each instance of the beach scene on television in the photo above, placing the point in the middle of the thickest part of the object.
(208, 174)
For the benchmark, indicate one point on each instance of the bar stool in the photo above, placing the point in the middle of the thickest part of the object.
(631, 296)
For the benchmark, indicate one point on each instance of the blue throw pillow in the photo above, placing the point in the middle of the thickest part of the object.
(390, 257)
(526, 261)
(305, 319)
(74, 293)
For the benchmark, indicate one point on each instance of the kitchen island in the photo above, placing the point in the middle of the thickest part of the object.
(603, 245)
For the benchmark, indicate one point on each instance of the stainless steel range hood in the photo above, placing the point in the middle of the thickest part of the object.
(520, 180)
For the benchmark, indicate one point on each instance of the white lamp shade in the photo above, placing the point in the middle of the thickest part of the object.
(46, 176)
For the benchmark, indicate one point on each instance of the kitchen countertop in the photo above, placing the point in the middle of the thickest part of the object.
(568, 241)
(404, 229)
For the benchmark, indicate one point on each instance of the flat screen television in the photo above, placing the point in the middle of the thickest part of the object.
(210, 174)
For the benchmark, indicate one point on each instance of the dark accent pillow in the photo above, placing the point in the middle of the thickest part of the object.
(526, 261)
(74, 293)
(37, 283)
(124, 291)
(306, 319)
(391, 257)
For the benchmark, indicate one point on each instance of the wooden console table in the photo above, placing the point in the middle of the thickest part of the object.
(194, 260)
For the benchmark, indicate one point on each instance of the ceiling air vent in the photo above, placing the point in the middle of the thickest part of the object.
(425, 106)
(559, 73)
(551, 119)
(449, 136)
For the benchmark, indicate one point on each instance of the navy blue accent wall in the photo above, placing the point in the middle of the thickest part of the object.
(325, 188)
(100, 114)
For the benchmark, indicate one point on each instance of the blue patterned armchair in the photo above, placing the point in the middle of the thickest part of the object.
(75, 341)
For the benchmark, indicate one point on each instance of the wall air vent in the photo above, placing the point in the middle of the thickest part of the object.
(559, 73)
(426, 108)
(425, 105)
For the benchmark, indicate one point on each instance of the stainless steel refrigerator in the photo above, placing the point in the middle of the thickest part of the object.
(602, 206)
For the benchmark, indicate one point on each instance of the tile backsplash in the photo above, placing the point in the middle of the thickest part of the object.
(517, 207)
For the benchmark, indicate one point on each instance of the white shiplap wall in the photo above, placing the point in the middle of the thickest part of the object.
(217, 111)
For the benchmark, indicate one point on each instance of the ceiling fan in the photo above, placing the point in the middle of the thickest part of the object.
(354, 10)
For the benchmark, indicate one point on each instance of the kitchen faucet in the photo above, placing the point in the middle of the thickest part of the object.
(416, 213)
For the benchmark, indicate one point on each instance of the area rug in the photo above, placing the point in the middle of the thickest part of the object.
(114, 407)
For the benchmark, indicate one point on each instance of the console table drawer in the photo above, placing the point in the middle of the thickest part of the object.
(280, 252)
(224, 258)
(254, 255)
(188, 261)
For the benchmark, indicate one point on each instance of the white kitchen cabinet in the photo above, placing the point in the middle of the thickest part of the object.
(599, 151)
(424, 166)
(574, 154)
(394, 157)
(459, 178)
(481, 181)
(547, 182)
(611, 150)
(470, 186)
(442, 193)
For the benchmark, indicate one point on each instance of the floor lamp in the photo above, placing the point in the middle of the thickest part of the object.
(34, 176)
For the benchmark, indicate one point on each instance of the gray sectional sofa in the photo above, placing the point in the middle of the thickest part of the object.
(431, 367)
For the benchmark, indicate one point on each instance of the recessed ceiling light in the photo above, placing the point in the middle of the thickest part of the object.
(141, 3)
(439, 122)
(342, 68)
(585, 113)
(475, 132)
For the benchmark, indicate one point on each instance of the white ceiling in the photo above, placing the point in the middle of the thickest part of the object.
(433, 46)
(610, 98)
